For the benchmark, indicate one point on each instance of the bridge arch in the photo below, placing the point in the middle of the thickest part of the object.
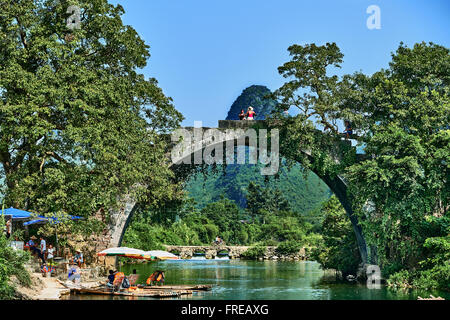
(336, 184)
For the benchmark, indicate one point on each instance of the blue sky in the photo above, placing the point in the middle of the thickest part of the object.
(205, 52)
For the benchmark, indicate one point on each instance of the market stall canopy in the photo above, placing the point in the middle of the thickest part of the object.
(17, 214)
(162, 255)
(53, 220)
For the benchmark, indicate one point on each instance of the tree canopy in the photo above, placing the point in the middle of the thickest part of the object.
(79, 124)
(401, 115)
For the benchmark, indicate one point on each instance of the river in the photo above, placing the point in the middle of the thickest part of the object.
(261, 280)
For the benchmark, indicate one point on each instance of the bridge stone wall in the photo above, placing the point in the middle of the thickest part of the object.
(234, 252)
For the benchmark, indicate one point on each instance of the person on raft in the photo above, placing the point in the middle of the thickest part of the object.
(111, 277)
(156, 277)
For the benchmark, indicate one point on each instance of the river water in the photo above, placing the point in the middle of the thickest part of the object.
(260, 280)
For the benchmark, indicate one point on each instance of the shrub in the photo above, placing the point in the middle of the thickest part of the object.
(11, 264)
(313, 240)
(254, 252)
(289, 247)
(338, 250)
(437, 277)
(270, 242)
(400, 280)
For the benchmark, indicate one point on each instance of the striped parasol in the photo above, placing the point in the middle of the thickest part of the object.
(162, 255)
(126, 252)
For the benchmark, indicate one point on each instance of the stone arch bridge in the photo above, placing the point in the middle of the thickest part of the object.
(233, 252)
(120, 218)
(210, 252)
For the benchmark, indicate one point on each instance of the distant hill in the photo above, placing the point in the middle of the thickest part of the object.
(303, 194)
(254, 96)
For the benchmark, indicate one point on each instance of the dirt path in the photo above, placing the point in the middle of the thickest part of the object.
(52, 290)
(42, 288)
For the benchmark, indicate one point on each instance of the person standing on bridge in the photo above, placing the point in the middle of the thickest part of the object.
(250, 114)
(242, 115)
(348, 129)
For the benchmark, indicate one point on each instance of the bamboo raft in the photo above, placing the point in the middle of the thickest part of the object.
(143, 293)
(163, 291)
(199, 287)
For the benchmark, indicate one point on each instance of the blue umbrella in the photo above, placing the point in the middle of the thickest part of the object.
(17, 214)
(53, 220)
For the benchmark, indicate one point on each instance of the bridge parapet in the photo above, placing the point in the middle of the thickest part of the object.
(240, 124)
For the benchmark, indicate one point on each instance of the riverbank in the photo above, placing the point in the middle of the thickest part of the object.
(41, 288)
(51, 288)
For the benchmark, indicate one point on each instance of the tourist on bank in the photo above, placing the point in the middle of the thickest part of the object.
(78, 259)
(242, 115)
(8, 228)
(32, 245)
(41, 250)
(250, 114)
(74, 274)
(50, 254)
(43, 246)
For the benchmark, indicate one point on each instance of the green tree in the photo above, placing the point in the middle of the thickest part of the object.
(79, 125)
(402, 116)
(403, 189)
(315, 92)
(265, 199)
(338, 249)
(310, 89)
(226, 215)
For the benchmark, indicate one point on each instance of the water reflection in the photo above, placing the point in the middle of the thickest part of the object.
(235, 280)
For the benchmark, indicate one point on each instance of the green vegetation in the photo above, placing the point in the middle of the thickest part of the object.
(267, 221)
(11, 264)
(254, 252)
(338, 250)
(401, 115)
(79, 126)
(289, 247)
(407, 180)
(433, 272)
